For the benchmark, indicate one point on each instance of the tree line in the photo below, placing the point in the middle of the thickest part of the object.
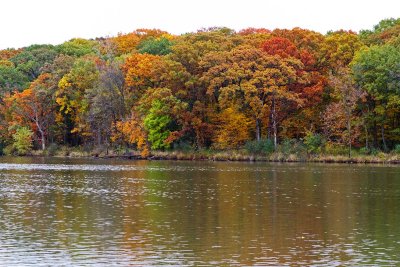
(214, 88)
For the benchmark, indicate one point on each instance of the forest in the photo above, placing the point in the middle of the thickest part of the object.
(255, 90)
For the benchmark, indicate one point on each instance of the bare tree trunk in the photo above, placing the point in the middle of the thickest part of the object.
(42, 136)
(349, 130)
(274, 126)
(258, 129)
(40, 129)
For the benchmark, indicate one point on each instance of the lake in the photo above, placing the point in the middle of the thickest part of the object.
(86, 212)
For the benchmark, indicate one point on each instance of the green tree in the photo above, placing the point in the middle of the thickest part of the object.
(156, 123)
(11, 79)
(377, 71)
(77, 47)
(31, 61)
(22, 140)
(155, 46)
(313, 142)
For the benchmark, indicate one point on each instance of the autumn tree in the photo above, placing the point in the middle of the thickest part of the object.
(139, 72)
(106, 101)
(382, 32)
(233, 129)
(339, 118)
(305, 46)
(128, 43)
(340, 47)
(249, 78)
(35, 107)
(132, 131)
(70, 96)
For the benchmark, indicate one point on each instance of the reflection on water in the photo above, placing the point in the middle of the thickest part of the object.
(105, 212)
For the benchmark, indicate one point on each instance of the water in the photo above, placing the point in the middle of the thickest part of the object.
(149, 213)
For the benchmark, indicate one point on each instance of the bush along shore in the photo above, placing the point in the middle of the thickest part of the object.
(262, 151)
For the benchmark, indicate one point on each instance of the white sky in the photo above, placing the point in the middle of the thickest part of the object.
(25, 22)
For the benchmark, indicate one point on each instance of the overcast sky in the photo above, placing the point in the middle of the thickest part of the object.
(25, 22)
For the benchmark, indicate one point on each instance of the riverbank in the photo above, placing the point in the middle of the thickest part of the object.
(214, 155)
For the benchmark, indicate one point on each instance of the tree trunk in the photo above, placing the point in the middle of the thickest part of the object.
(274, 126)
(258, 129)
(349, 131)
(383, 138)
(366, 134)
(42, 135)
(43, 138)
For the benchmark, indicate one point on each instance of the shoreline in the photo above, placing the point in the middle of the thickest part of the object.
(234, 156)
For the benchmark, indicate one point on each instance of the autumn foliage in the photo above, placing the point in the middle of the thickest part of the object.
(215, 88)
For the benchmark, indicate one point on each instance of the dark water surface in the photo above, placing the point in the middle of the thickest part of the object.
(149, 213)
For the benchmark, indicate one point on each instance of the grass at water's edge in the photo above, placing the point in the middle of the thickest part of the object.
(231, 155)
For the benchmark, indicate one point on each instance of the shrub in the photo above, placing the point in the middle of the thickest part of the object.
(183, 146)
(335, 149)
(397, 149)
(263, 146)
(292, 146)
(364, 151)
(22, 141)
(9, 150)
(314, 142)
(51, 149)
(374, 151)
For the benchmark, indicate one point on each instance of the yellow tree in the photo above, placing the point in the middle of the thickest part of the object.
(233, 129)
(139, 75)
(257, 82)
(70, 95)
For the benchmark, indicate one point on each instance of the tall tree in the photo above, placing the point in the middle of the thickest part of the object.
(340, 114)
(377, 71)
(70, 96)
(35, 107)
(253, 80)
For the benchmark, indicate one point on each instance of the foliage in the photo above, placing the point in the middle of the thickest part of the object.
(22, 138)
(291, 146)
(263, 146)
(11, 79)
(156, 123)
(159, 46)
(77, 47)
(52, 149)
(31, 60)
(337, 149)
(314, 142)
(282, 91)
(232, 130)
